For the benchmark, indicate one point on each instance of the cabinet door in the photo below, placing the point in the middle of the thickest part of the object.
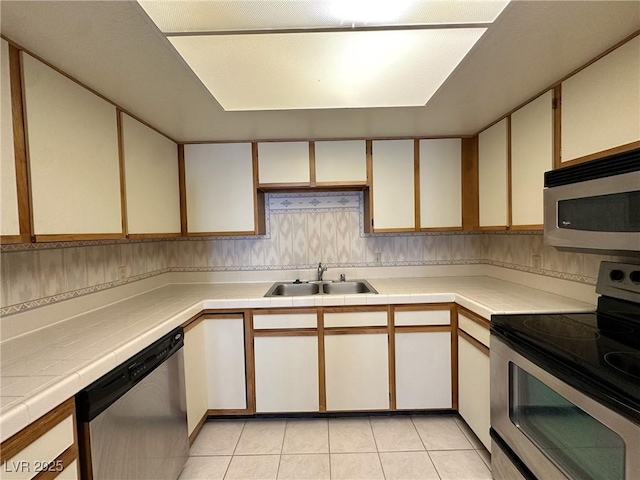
(51, 439)
(531, 156)
(73, 156)
(220, 189)
(341, 161)
(393, 185)
(441, 183)
(600, 104)
(423, 370)
(492, 175)
(286, 374)
(284, 162)
(151, 179)
(473, 389)
(195, 375)
(357, 371)
(9, 218)
(225, 363)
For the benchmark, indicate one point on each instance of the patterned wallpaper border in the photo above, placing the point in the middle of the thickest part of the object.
(30, 305)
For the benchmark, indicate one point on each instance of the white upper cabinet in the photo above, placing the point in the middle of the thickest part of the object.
(9, 219)
(73, 156)
(492, 175)
(393, 185)
(151, 179)
(341, 161)
(220, 189)
(531, 156)
(284, 162)
(601, 104)
(441, 183)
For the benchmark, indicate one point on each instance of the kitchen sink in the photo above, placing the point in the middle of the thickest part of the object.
(293, 289)
(347, 288)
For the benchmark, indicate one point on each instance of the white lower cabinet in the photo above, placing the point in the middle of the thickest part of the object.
(423, 370)
(44, 449)
(286, 371)
(225, 362)
(357, 371)
(473, 389)
(195, 375)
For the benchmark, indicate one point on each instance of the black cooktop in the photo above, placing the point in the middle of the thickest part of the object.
(597, 353)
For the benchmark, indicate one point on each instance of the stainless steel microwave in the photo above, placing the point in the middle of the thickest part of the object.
(595, 205)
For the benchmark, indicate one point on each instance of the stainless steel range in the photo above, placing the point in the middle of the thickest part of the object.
(565, 388)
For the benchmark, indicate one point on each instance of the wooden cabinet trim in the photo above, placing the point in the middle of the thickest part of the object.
(72, 237)
(354, 330)
(557, 126)
(416, 185)
(475, 317)
(441, 229)
(285, 311)
(509, 177)
(368, 194)
(197, 428)
(123, 174)
(18, 442)
(322, 374)
(362, 308)
(286, 332)
(422, 328)
(18, 111)
(470, 185)
(182, 178)
(65, 458)
(221, 234)
(393, 394)
(249, 362)
(454, 358)
(259, 207)
(312, 163)
(480, 346)
(142, 236)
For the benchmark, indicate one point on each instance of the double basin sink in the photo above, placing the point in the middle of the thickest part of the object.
(294, 289)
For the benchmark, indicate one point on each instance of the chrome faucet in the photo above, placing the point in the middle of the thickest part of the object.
(321, 271)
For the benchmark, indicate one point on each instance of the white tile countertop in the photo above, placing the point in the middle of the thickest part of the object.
(40, 370)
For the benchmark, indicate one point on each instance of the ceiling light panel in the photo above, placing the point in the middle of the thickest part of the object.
(395, 68)
(182, 16)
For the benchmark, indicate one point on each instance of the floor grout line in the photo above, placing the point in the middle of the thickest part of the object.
(472, 447)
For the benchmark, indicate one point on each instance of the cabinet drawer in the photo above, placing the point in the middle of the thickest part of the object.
(422, 317)
(32, 459)
(477, 331)
(285, 320)
(356, 319)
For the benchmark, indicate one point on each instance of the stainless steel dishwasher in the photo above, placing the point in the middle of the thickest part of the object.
(132, 422)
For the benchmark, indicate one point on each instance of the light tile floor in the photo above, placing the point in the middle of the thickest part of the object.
(368, 448)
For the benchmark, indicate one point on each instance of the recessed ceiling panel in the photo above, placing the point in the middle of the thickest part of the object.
(176, 16)
(326, 70)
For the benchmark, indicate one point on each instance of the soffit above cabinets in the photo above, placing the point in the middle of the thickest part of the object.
(291, 55)
(115, 48)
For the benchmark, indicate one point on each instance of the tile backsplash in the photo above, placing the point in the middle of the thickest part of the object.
(302, 230)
